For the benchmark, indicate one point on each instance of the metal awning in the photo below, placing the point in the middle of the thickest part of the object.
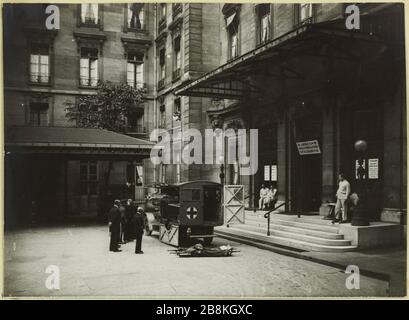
(72, 140)
(231, 80)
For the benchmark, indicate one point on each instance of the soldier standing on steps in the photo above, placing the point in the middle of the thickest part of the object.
(341, 208)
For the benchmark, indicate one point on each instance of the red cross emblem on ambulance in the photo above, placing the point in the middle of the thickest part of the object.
(191, 213)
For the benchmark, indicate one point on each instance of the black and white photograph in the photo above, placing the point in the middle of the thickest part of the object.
(204, 150)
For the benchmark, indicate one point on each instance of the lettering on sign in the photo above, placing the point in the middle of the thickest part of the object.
(274, 172)
(373, 168)
(266, 173)
(308, 147)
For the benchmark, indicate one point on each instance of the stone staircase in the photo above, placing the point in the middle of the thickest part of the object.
(307, 233)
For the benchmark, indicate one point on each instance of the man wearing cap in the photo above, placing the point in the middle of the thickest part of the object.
(114, 218)
(139, 224)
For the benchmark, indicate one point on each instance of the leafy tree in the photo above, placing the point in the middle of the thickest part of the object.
(108, 109)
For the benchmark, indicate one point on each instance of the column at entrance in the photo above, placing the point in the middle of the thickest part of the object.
(329, 133)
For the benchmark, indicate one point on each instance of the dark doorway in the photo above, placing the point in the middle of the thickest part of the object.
(306, 169)
(364, 122)
(211, 203)
(267, 157)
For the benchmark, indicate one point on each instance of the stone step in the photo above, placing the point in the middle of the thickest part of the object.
(283, 241)
(294, 223)
(308, 219)
(309, 232)
(296, 236)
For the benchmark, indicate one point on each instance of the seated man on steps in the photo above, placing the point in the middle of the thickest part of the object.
(263, 197)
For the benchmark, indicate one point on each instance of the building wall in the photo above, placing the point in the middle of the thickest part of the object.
(329, 107)
(21, 24)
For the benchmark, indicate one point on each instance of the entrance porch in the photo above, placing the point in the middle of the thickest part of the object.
(290, 232)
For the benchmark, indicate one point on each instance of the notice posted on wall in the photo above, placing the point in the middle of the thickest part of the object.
(373, 168)
(308, 147)
(266, 173)
(274, 172)
(360, 169)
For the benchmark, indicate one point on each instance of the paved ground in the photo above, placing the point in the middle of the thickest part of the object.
(88, 268)
(390, 262)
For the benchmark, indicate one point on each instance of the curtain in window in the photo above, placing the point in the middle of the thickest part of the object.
(265, 28)
(39, 71)
(34, 62)
(305, 11)
(130, 74)
(136, 15)
(84, 71)
(230, 19)
(139, 75)
(93, 72)
(234, 45)
(89, 13)
(178, 59)
(43, 69)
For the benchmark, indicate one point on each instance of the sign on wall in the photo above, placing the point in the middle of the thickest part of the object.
(373, 168)
(270, 173)
(360, 169)
(266, 173)
(274, 172)
(308, 147)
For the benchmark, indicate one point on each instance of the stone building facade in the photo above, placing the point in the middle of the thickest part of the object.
(44, 70)
(298, 74)
(292, 71)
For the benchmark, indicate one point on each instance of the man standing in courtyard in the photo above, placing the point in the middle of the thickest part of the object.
(341, 208)
(139, 224)
(114, 218)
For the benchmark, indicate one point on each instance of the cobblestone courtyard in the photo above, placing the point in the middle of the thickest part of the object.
(88, 268)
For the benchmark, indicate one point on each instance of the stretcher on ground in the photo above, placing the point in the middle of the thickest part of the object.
(199, 251)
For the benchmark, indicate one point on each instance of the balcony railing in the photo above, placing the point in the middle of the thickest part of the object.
(40, 79)
(162, 25)
(88, 82)
(161, 84)
(90, 22)
(176, 74)
(176, 9)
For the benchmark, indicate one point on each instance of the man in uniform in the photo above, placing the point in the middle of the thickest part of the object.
(129, 233)
(343, 192)
(139, 224)
(114, 218)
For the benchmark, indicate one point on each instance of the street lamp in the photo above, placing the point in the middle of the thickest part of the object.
(360, 217)
(221, 175)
